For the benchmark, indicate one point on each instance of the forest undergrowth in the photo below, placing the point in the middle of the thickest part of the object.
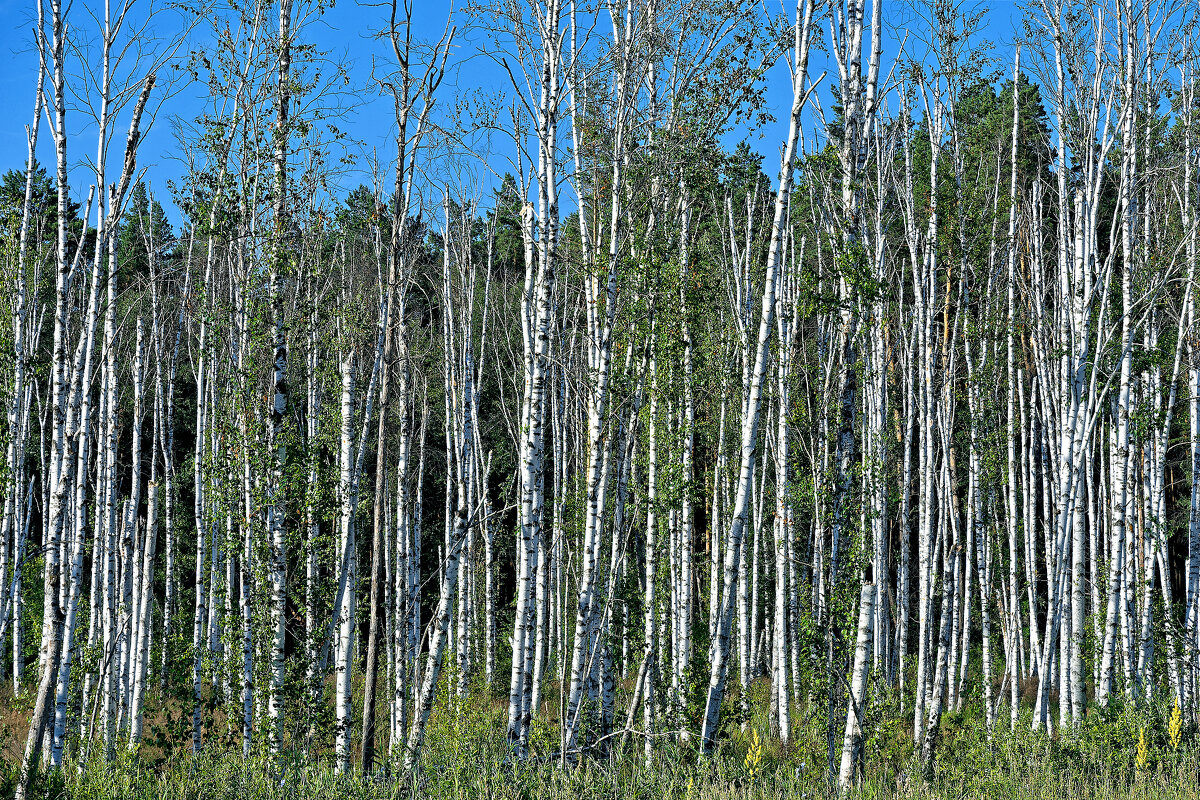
(1122, 751)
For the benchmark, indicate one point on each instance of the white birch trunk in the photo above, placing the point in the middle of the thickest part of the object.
(719, 650)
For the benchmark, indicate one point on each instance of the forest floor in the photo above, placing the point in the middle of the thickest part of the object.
(1119, 753)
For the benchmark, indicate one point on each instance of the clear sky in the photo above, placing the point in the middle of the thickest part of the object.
(346, 31)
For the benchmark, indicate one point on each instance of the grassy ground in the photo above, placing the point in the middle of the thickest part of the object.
(1121, 753)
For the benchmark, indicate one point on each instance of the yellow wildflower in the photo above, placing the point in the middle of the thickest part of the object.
(754, 756)
(1175, 726)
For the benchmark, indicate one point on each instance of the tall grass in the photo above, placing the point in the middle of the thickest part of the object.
(466, 756)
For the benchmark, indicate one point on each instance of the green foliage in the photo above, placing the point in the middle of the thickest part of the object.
(43, 207)
(466, 757)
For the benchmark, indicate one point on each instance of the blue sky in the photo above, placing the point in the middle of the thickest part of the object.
(345, 32)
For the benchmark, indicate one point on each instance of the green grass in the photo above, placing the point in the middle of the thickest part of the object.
(466, 757)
